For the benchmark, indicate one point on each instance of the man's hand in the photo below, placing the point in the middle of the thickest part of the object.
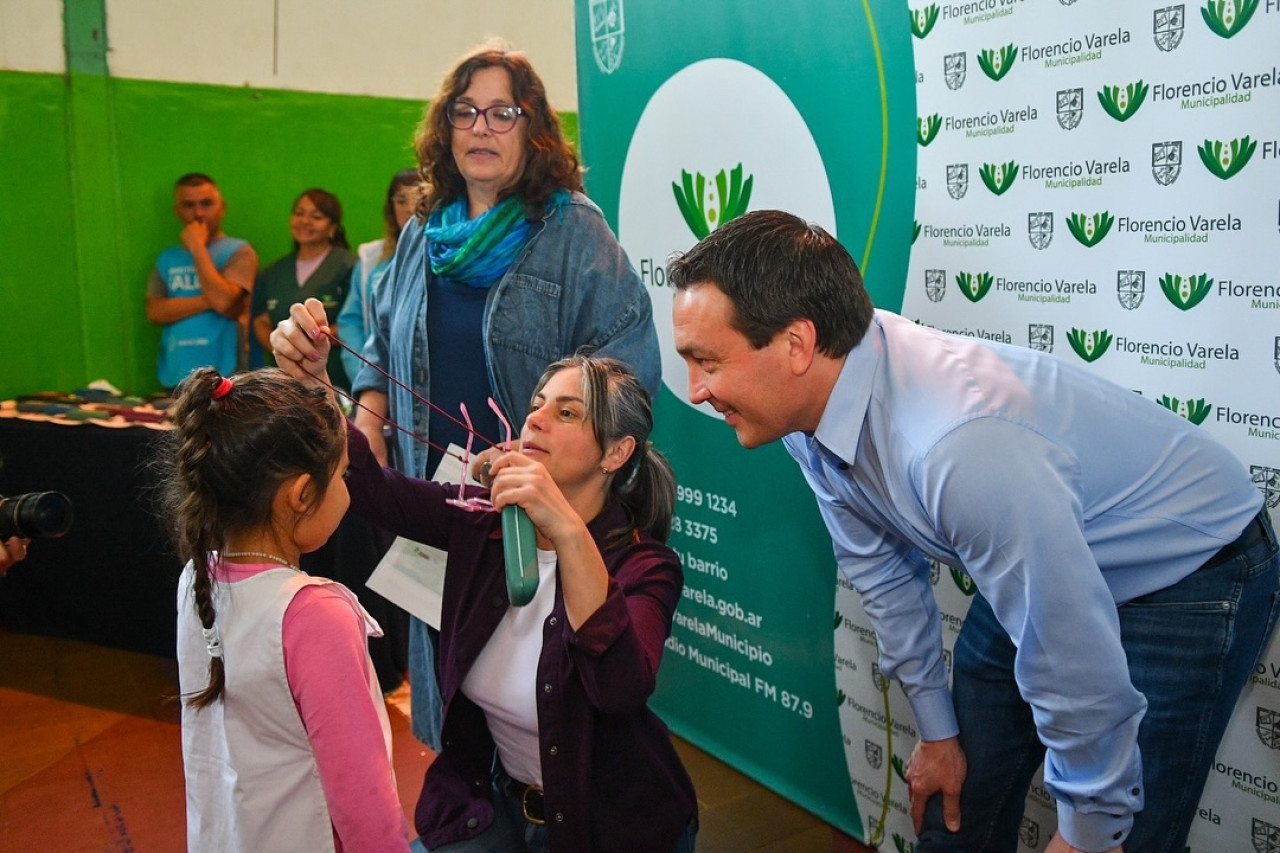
(1057, 845)
(936, 767)
(195, 235)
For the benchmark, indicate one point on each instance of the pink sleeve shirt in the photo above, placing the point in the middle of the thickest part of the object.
(327, 664)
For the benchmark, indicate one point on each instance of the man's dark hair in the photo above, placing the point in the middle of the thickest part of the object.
(776, 268)
(194, 179)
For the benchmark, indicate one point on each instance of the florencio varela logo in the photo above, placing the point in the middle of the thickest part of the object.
(998, 61)
(1185, 292)
(1090, 228)
(1193, 410)
(1226, 159)
(927, 128)
(999, 176)
(1227, 17)
(922, 20)
(1131, 287)
(974, 285)
(1121, 102)
(954, 69)
(608, 34)
(1089, 345)
(1166, 26)
(963, 581)
(705, 209)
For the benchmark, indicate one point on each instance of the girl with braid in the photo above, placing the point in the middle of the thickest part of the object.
(285, 738)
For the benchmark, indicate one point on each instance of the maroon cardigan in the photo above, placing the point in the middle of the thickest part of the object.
(613, 780)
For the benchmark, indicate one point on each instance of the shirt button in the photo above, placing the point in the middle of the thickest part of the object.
(1136, 791)
(552, 621)
(472, 823)
(546, 688)
(843, 466)
(559, 817)
(555, 750)
(1116, 837)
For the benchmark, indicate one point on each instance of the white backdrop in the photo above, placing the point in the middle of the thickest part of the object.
(1101, 181)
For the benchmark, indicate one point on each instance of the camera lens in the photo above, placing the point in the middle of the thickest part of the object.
(35, 515)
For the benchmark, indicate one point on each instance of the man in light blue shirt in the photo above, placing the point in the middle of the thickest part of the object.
(200, 290)
(1095, 523)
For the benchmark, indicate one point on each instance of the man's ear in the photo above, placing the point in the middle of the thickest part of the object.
(802, 344)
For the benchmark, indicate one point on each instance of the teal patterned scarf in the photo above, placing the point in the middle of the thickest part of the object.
(476, 252)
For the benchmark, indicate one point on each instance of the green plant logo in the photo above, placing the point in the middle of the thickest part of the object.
(999, 176)
(963, 582)
(899, 767)
(1122, 102)
(1090, 228)
(902, 845)
(997, 62)
(1090, 346)
(974, 286)
(1228, 17)
(839, 620)
(922, 20)
(706, 208)
(927, 130)
(840, 697)
(915, 231)
(1193, 410)
(1185, 293)
(1226, 159)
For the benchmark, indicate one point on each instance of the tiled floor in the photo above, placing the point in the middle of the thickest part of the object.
(90, 760)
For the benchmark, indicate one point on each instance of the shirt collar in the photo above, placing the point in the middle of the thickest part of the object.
(840, 428)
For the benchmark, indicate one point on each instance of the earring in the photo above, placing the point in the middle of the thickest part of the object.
(604, 469)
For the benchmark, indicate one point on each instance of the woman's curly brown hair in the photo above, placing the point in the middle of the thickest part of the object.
(550, 163)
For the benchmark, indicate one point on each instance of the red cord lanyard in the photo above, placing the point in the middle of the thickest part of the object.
(474, 504)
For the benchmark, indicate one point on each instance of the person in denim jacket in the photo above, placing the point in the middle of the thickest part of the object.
(506, 267)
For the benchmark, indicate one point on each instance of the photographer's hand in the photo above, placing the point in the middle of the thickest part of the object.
(11, 551)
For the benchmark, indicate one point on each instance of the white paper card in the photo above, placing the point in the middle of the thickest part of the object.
(411, 575)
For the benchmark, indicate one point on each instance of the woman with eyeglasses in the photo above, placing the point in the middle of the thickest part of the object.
(549, 744)
(507, 267)
(318, 267)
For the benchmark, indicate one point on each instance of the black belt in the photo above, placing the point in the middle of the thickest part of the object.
(1255, 533)
(530, 797)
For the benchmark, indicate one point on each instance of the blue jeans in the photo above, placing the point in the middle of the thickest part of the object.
(1191, 648)
(511, 833)
(425, 704)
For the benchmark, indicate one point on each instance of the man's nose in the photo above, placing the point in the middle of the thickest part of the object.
(698, 392)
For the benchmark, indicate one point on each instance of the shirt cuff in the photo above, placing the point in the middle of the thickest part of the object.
(1093, 831)
(935, 715)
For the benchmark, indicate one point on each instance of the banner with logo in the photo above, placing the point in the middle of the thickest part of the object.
(692, 114)
(1097, 181)
(1102, 181)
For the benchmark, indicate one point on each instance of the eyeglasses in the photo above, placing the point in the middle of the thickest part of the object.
(500, 118)
(476, 504)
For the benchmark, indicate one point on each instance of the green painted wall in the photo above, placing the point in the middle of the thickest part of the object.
(86, 182)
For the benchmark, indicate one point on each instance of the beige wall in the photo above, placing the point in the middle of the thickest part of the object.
(390, 48)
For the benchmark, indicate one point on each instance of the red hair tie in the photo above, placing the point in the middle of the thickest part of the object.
(222, 389)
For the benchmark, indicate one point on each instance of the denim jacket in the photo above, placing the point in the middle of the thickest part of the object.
(572, 285)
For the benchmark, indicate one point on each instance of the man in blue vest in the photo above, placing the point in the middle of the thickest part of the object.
(200, 290)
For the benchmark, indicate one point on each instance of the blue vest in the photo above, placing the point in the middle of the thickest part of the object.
(207, 339)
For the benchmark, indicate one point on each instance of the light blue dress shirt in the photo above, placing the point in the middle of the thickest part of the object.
(1061, 494)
